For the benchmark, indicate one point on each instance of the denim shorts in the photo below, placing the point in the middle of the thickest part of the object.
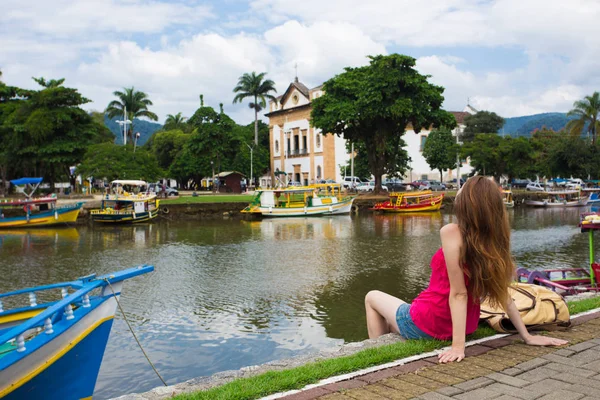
(407, 327)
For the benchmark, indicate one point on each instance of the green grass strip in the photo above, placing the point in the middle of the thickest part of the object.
(240, 198)
(579, 306)
(296, 378)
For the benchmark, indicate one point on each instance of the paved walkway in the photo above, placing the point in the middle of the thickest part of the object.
(502, 369)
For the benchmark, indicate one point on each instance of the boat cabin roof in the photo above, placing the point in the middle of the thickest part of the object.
(129, 182)
(412, 194)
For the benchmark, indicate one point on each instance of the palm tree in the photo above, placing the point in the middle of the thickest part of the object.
(253, 86)
(136, 103)
(586, 111)
(51, 84)
(176, 121)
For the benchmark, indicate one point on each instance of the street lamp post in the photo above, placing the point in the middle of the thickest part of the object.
(124, 124)
(251, 180)
(137, 136)
(212, 164)
(288, 148)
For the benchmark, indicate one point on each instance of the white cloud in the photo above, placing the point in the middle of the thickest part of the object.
(167, 49)
(68, 17)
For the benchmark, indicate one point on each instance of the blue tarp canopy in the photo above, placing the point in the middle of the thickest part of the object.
(558, 180)
(25, 181)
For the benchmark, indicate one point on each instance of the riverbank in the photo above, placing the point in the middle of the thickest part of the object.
(230, 206)
(254, 382)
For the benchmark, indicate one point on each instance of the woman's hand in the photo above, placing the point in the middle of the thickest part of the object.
(534, 340)
(454, 354)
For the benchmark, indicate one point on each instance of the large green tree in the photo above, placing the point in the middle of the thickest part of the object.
(256, 87)
(134, 103)
(111, 161)
(375, 104)
(440, 151)
(586, 113)
(176, 122)
(52, 131)
(482, 122)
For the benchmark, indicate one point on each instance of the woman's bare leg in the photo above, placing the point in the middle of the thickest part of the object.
(381, 313)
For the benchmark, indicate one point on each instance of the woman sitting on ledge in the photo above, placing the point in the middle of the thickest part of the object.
(474, 263)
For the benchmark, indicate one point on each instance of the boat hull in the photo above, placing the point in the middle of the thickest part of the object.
(545, 203)
(67, 366)
(434, 206)
(343, 207)
(59, 216)
(124, 218)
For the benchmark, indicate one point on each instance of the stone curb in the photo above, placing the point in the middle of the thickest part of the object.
(485, 345)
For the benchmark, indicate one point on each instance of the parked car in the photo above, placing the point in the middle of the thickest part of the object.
(451, 184)
(419, 183)
(520, 183)
(535, 187)
(368, 187)
(294, 183)
(157, 188)
(395, 185)
(351, 182)
(575, 184)
(324, 181)
(436, 185)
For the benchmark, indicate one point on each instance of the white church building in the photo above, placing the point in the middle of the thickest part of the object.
(306, 155)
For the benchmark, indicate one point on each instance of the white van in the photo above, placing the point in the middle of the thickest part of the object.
(351, 182)
(575, 184)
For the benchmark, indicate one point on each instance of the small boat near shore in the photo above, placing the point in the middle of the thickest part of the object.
(53, 350)
(570, 281)
(563, 198)
(300, 201)
(594, 194)
(424, 200)
(36, 212)
(507, 197)
(128, 203)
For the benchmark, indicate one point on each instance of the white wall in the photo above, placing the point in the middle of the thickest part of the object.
(341, 156)
(289, 103)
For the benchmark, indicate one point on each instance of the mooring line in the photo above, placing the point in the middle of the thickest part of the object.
(133, 333)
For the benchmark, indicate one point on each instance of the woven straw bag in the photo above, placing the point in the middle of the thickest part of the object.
(540, 308)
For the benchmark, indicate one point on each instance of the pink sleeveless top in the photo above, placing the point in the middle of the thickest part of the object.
(430, 311)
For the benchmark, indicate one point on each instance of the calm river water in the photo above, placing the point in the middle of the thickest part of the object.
(230, 293)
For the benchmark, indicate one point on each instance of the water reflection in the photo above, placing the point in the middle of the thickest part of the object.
(230, 293)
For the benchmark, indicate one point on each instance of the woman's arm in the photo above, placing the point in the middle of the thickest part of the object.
(517, 321)
(451, 243)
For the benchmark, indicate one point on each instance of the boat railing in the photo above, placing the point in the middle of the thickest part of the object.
(45, 319)
(112, 211)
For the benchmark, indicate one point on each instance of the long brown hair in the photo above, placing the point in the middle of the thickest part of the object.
(485, 253)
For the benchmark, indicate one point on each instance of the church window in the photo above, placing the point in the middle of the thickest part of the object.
(277, 146)
(423, 139)
(318, 140)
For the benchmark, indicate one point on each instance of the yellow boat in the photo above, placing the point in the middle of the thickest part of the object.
(403, 202)
(130, 203)
(37, 212)
(507, 196)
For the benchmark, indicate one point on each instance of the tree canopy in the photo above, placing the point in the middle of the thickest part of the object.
(112, 161)
(45, 132)
(135, 103)
(375, 104)
(440, 151)
(587, 114)
(482, 122)
(256, 87)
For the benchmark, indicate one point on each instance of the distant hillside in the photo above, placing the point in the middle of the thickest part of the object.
(145, 128)
(523, 126)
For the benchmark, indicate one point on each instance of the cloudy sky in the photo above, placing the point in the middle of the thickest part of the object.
(514, 57)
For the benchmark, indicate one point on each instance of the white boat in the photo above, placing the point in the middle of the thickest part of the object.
(300, 201)
(594, 194)
(564, 198)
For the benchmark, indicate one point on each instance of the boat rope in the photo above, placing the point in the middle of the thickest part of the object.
(133, 333)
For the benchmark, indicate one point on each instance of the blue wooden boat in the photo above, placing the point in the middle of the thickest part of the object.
(36, 212)
(54, 350)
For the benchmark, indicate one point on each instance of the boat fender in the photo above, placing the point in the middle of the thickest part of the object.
(165, 210)
(331, 209)
(355, 209)
(27, 208)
